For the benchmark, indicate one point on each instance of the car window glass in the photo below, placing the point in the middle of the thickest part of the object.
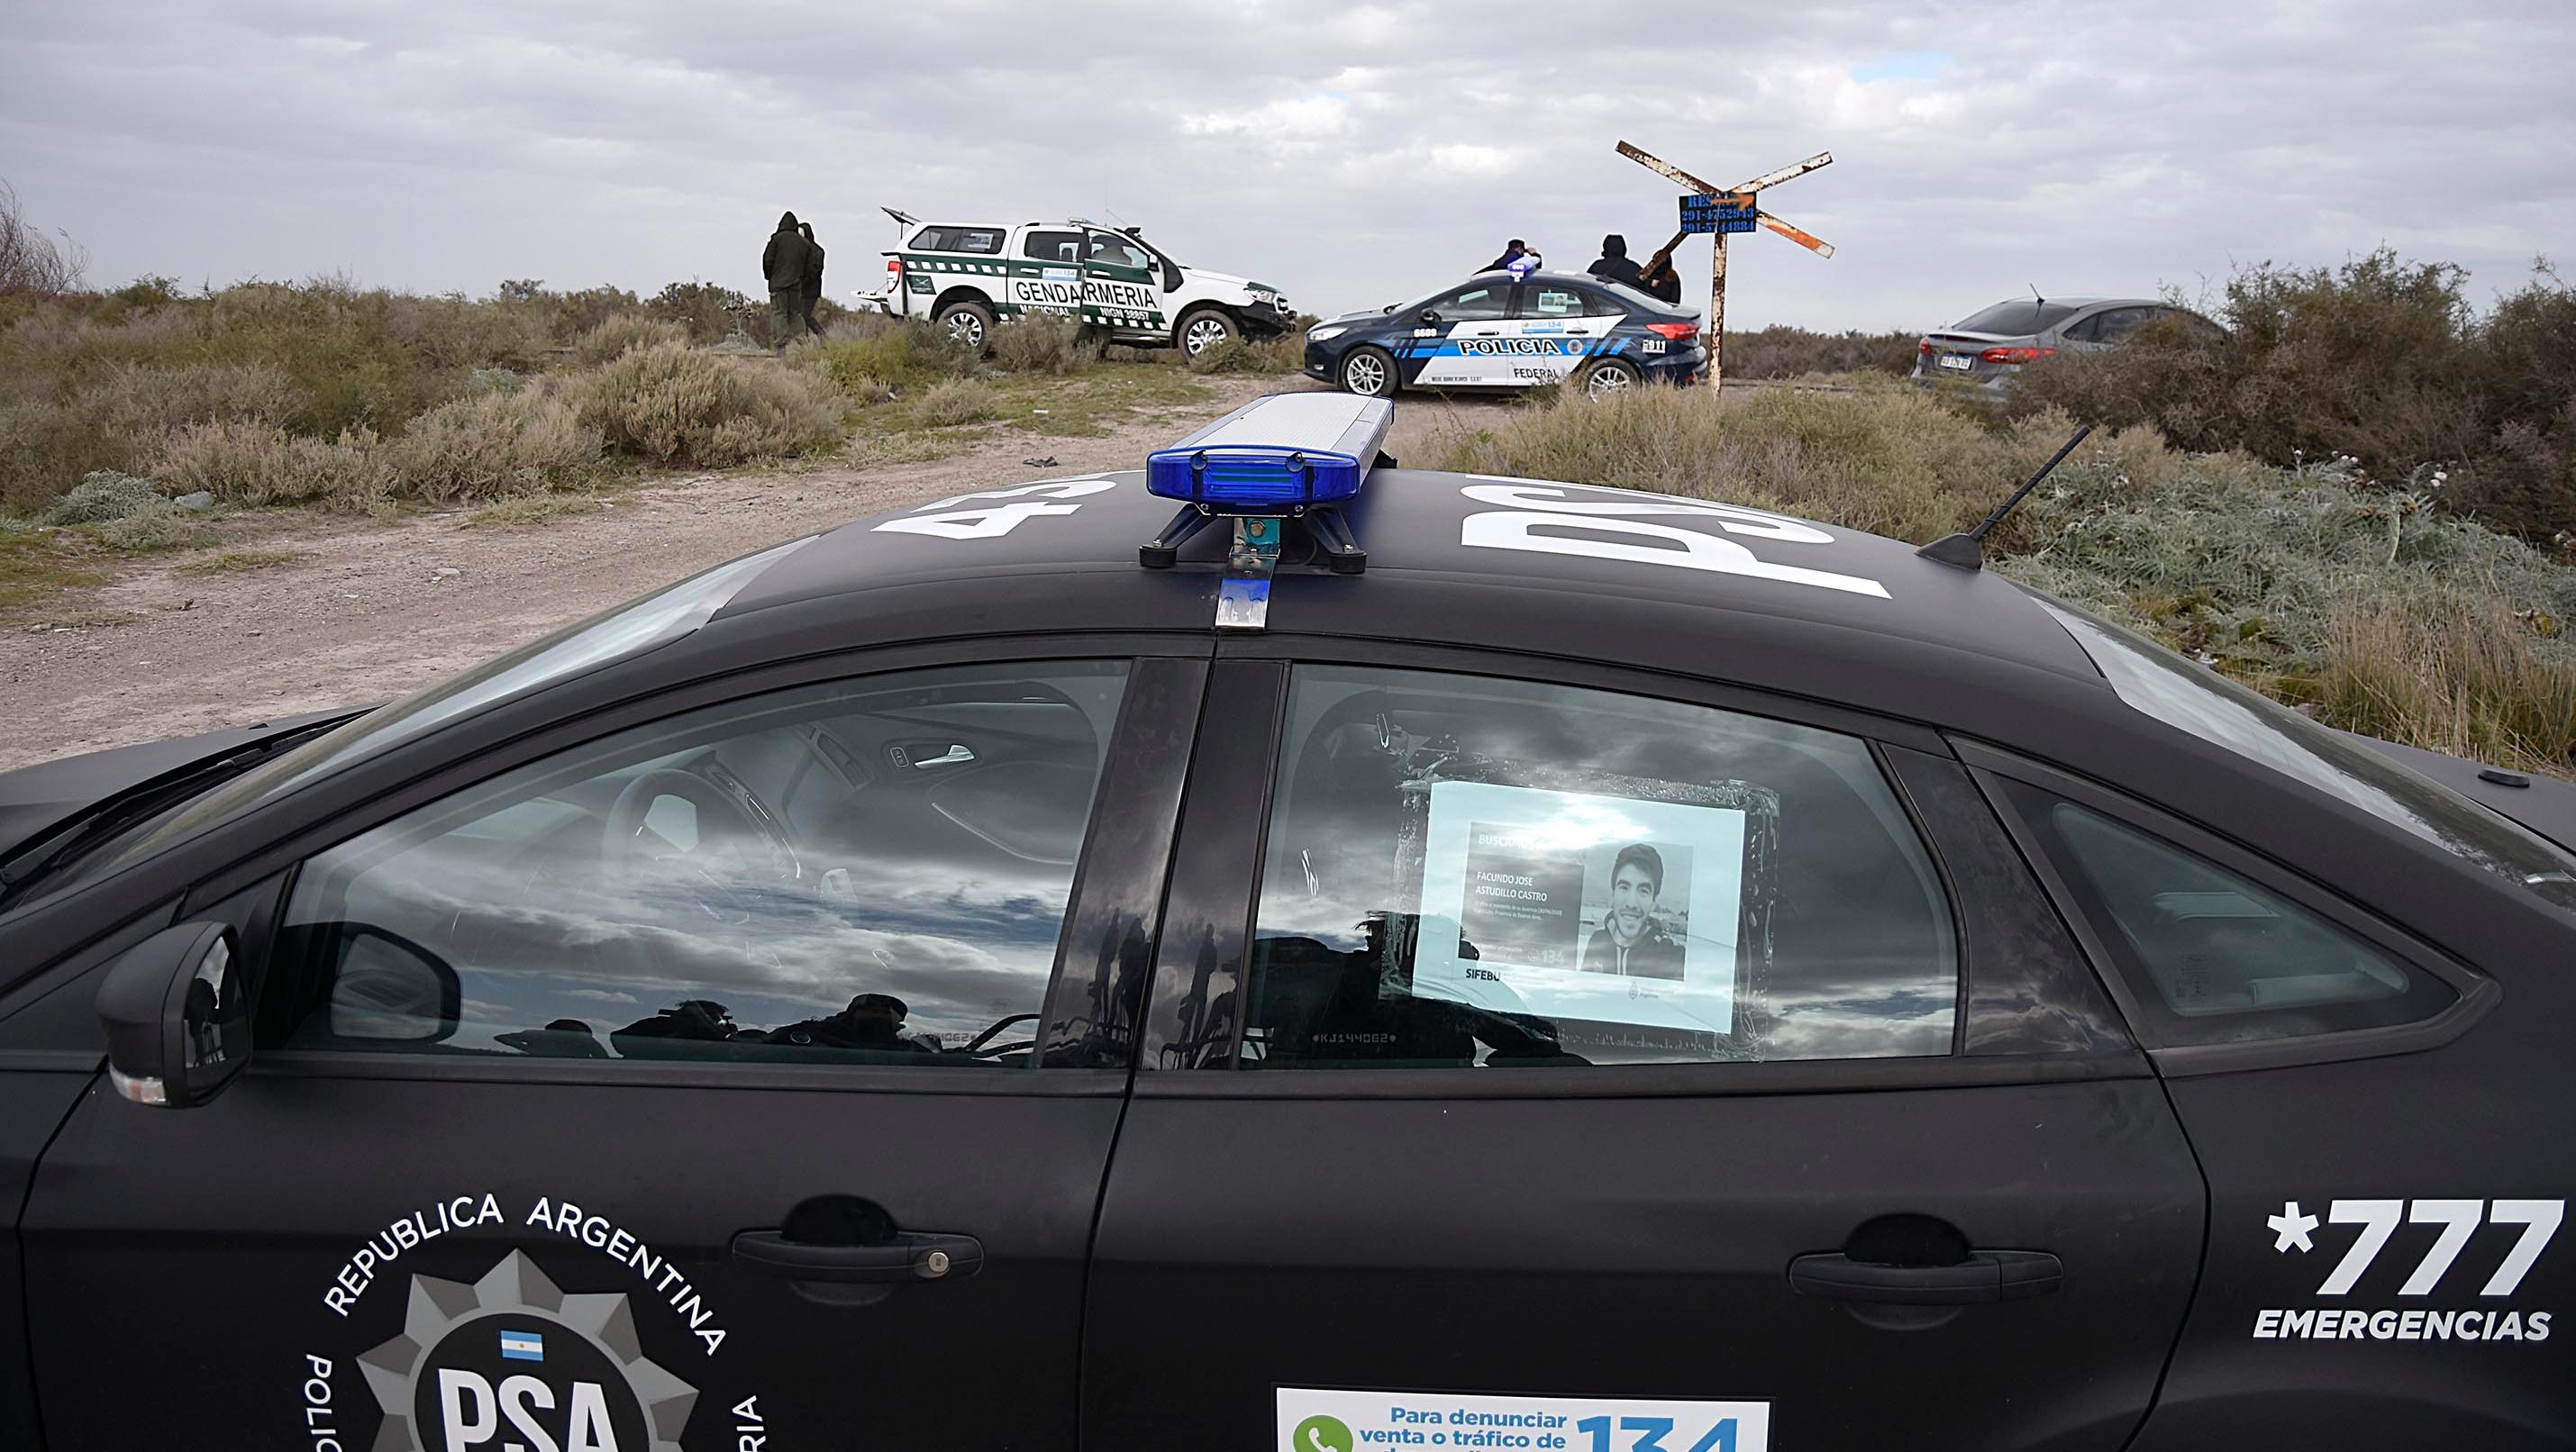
(1465, 871)
(987, 240)
(871, 871)
(1558, 302)
(2016, 319)
(1053, 246)
(2214, 958)
(1119, 253)
(1475, 304)
(2085, 330)
(2201, 702)
(622, 632)
(2119, 323)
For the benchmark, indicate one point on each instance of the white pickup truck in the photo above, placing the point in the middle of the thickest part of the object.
(967, 276)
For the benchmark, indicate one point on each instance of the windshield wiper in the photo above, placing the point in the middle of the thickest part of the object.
(74, 839)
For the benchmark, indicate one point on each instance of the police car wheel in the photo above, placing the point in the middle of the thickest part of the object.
(970, 323)
(1368, 372)
(1203, 330)
(1609, 376)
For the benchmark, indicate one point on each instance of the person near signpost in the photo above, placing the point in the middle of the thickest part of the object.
(810, 291)
(1614, 264)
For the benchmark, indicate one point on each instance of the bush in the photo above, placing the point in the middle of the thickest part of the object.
(1242, 355)
(1044, 343)
(959, 401)
(1886, 459)
(2462, 673)
(669, 404)
(707, 311)
(1778, 352)
(490, 447)
(2381, 359)
(253, 464)
(623, 334)
(106, 495)
(31, 263)
(876, 353)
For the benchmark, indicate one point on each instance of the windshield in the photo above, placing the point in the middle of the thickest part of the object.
(2016, 319)
(626, 630)
(2208, 705)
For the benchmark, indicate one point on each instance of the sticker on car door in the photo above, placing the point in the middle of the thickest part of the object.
(1315, 1419)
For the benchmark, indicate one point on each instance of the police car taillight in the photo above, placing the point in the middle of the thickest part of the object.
(1283, 454)
(1674, 331)
(894, 266)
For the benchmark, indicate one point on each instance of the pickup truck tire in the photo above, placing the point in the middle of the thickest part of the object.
(969, 322)
(1202, 328)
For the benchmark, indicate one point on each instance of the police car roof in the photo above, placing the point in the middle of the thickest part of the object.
(957, 567)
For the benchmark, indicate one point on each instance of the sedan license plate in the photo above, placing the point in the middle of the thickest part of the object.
(1956, 360)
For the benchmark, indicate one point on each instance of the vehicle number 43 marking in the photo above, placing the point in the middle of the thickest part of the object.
(2459, 1220)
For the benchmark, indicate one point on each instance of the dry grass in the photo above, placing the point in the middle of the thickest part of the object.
(256, 464)
(958, 401)
(1044, 343)
(873, 356)
(623, 334)
(491, 447)
(2467, 675)
(1242, 355)
(236, 562)
(669, 405)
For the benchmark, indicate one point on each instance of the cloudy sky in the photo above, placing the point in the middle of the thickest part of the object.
(1352, 154)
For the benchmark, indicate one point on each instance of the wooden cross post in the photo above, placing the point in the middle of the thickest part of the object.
(1728, 209)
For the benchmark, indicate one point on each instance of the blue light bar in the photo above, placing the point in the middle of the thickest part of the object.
(1283, 453)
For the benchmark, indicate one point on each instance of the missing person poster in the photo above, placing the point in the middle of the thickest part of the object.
(1571, 905)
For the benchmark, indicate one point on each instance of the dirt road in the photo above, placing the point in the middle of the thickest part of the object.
(369, 610)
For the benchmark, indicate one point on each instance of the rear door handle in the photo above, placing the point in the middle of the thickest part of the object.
(1986, 1275)
(916, 1256)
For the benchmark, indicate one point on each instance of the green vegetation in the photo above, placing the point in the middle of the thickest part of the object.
(2368, 605)
(2381, 361)
(1786, 353)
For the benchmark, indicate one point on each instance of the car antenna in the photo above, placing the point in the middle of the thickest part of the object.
(1967, 551)
(2034, 294)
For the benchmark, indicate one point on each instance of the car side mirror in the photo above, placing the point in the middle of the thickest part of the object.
(387, 989)
(1431, 315)
(177, 1011)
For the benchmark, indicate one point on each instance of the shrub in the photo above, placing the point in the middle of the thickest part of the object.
(623, 334)
(876, 353)
(669, 404)
(248, 463)
(1242, 355)
(959, 401)
(706, 310)
(1886, 459)
(2381, 359)
(1044, 343)
(32, 263)
(1780, 352)
(106, 495)
(489, 447)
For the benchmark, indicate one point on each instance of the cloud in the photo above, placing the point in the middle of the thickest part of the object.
(1354, 154)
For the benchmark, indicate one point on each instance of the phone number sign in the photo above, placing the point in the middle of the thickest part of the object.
(1723, 212)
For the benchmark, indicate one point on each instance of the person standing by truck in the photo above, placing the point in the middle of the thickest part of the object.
(783, 263)
(812, 291)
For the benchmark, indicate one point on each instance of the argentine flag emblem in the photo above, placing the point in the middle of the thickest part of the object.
(522, 1346)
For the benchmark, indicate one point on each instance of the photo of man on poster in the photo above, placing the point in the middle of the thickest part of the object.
(1630, 943)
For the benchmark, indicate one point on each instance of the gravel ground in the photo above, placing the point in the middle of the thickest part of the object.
(373, 610)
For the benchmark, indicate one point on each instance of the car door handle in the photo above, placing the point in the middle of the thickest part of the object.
(915, 1256)
(1986, 1275)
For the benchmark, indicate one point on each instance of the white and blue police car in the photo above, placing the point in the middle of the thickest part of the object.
(1276, 950)
(1508, 330)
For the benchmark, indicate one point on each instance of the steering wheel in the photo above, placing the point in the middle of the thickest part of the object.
(722, 816)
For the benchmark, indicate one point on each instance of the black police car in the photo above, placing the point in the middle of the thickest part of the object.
(1615, 972)
(1499, 330)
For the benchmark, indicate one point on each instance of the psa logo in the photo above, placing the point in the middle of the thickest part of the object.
(512, 1364)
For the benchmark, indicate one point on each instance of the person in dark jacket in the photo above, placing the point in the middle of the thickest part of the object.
(1511, 254)
(812, 291)
(1614, 263)
(783, 262)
